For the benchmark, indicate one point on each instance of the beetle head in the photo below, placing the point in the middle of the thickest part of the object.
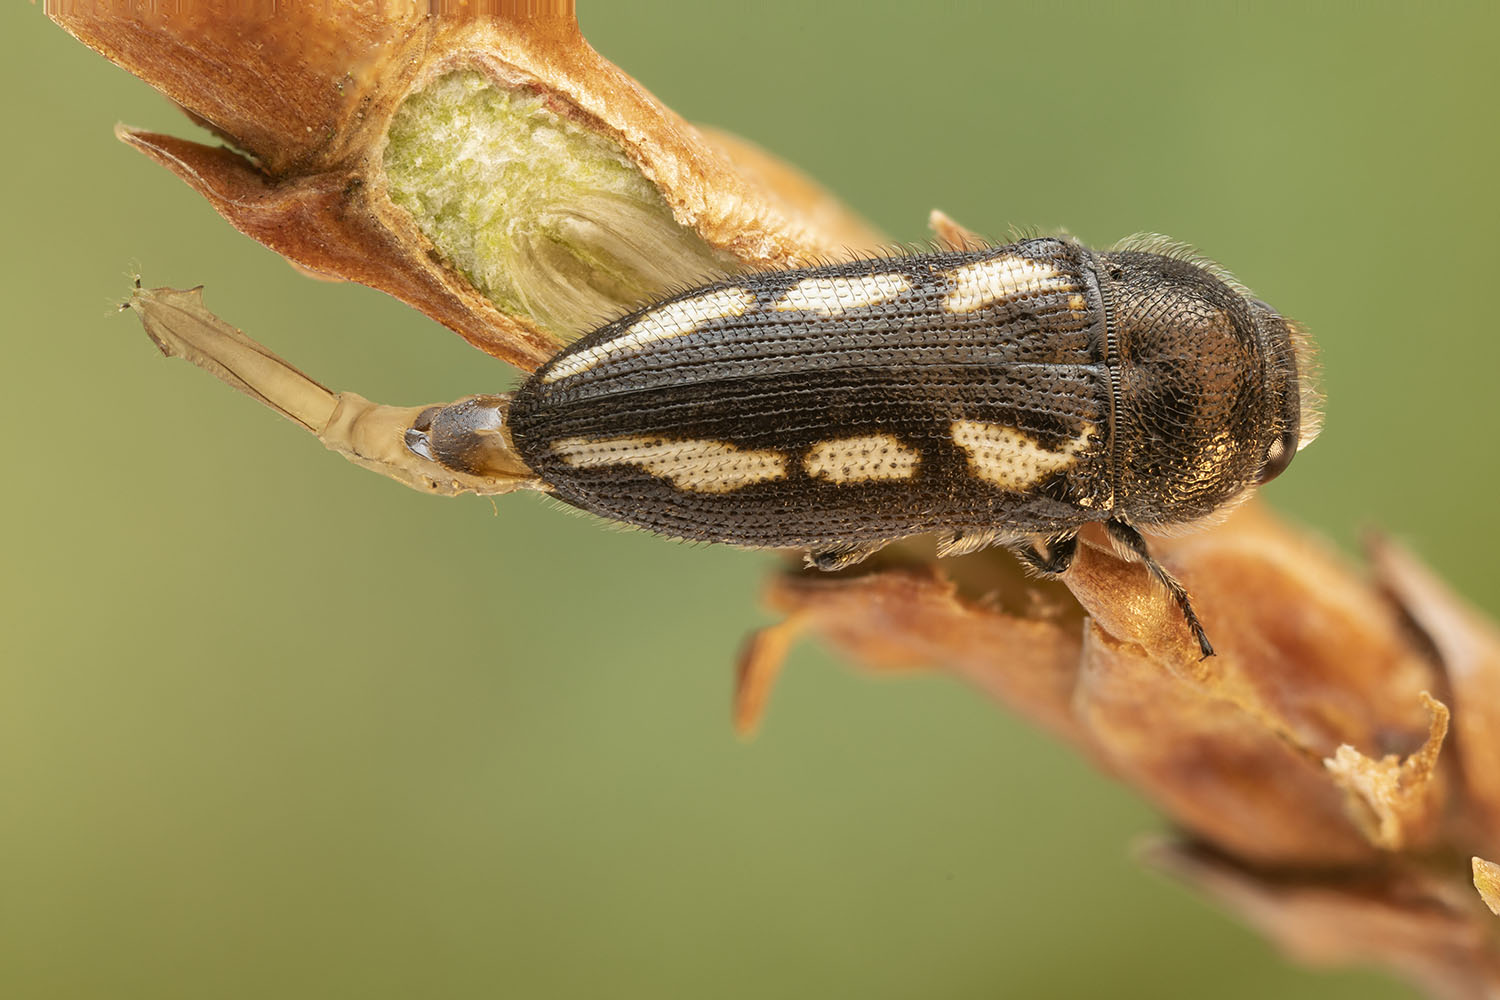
(1292, 368)
(1214, 393)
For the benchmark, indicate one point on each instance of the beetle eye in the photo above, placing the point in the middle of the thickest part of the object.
(1278, 457)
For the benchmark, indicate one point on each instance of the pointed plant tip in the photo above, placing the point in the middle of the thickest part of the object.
(1487, 881)
(135, 288)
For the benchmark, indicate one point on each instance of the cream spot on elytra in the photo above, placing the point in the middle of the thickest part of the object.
(861, 459)
(1012, 459)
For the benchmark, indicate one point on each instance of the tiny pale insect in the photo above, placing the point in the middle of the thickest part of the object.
(1007, 395)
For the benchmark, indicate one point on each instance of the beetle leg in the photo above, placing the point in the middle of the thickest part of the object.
(961, 543)
(1131, 541)
(1060, 553)
(832, 558)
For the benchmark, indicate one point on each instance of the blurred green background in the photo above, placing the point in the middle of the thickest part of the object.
(263, 734)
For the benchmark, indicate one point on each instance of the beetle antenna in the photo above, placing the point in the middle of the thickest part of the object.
(1131, 540)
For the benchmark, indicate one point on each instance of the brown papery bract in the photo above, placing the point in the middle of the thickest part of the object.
(1331, 774)
(1317, 783)
(305, 96)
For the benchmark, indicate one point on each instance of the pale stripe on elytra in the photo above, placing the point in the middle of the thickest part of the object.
(675, 319)
(832, 296)
(976, 286)
(699, 466)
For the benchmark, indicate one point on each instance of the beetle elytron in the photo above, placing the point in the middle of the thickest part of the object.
(1007, 396)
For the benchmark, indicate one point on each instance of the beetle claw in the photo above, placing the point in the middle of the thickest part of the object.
(836, 557)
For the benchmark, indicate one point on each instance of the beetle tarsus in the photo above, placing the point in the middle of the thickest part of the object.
(1060, 553)
(1131, 540)
(836, 557)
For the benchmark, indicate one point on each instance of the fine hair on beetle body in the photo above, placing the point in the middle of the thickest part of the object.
(1001, 395)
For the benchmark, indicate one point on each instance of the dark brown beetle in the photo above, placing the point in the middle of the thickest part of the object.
(1008, 395)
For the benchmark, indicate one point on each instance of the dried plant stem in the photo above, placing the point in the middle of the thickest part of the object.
(367, 434)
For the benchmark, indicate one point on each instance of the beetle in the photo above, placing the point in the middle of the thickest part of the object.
(1007, 395)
